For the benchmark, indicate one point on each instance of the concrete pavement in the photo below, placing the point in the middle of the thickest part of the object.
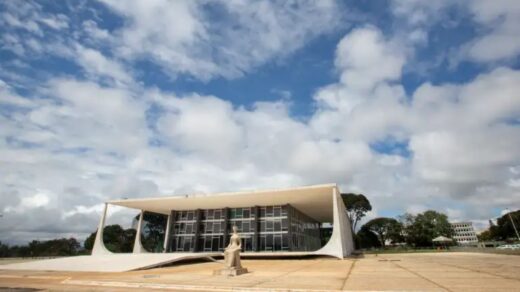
(395, 272)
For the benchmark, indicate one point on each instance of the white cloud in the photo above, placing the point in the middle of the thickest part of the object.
(177, 35)
(98, 66)
(202, 125)
(497, 25)
(365, 58)
(502, 22)
(75, 143)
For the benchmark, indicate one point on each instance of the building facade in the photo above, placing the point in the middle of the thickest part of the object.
(464, 233)
(261, 228)
(269, 221)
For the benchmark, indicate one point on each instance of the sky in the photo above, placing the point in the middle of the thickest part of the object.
(415, 104)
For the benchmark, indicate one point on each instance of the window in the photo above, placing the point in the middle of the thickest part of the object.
(277, 211)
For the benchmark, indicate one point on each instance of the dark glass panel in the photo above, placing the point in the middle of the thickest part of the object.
(269, 242)
(277, 225)
(269, 225)
(278, 242)
(285, 224)
(269, 211)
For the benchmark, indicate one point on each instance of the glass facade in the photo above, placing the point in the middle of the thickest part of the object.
(262, 229)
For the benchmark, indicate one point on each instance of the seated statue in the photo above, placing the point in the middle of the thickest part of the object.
(232, 251)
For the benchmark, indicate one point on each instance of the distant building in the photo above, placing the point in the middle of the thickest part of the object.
(464, 233)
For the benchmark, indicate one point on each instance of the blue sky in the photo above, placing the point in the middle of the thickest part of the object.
(414, 104)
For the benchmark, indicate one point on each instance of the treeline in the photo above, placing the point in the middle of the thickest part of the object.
(503, 230)
(116, 239)
(413, 230)
(121, 240)
(416, 231)
(48, 248)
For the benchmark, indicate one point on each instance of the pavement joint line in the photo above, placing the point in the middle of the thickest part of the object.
(183, 287)
(422, 277)
(348, 274)
(141, 285)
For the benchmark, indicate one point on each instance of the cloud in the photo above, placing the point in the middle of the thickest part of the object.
(178, 36)
(72, 141)
(496, 25)
(98, 66)
(365, 58)
(502, 23)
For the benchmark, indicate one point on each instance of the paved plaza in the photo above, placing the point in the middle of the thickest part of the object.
(390, 272)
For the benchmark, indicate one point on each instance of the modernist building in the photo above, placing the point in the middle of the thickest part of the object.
(464, 233)
(270, 222)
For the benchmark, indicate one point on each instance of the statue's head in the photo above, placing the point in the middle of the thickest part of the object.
(235, 229)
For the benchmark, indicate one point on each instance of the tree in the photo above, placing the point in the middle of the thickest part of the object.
(357, 206)
(485, 236)
(385, 229)
(420, 229)
(4, 250)
(366, 238)
(505, 228)
(153, 230)
(116, 239)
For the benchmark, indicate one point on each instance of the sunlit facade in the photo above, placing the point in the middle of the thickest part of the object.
(270, 222)
(262, 229)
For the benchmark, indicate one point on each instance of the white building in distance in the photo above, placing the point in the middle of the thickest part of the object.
(464, 233)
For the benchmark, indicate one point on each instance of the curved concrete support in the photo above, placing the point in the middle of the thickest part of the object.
(341, 243)
(138, 246)
(167, 233)
(99, 247)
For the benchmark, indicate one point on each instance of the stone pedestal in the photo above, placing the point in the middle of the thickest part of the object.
(230, 272)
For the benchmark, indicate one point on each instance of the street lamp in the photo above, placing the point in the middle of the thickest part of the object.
(513, 222)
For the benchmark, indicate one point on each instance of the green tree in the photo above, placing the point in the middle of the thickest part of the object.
(385, 229)
(485, 236)
(504, 229)
(4, 250)
(357, 206)
(366, 238)
(116, 239)
(420, 229)
(153, 231)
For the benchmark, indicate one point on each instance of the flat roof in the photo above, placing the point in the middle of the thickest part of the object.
(315, 201)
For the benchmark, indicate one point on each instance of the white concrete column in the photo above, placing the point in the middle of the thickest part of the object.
(99, 247)
(341, 243)
(167, 233)
(138, 246)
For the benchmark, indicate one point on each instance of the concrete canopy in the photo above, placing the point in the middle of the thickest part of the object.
(315, 201)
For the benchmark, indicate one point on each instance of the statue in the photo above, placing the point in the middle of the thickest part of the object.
(232, 251)
(232, 257)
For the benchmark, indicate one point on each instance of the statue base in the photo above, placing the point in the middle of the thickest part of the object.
(230, 272)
